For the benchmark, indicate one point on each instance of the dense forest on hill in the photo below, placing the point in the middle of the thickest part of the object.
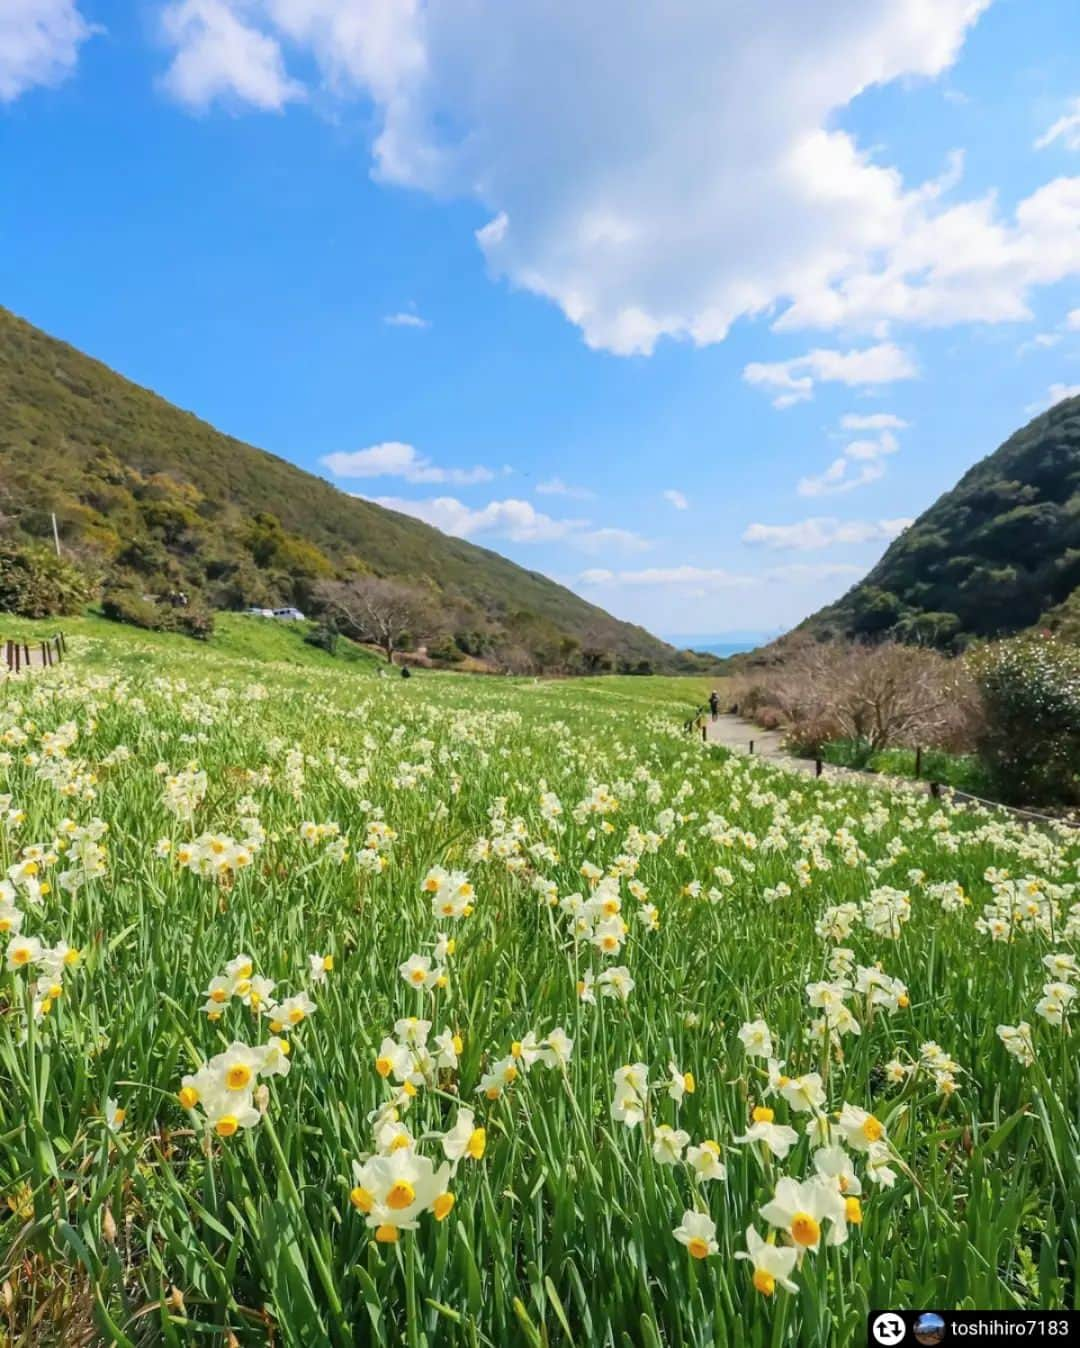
(997, 554)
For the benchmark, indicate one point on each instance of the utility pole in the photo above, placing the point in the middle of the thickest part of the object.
(55, 533)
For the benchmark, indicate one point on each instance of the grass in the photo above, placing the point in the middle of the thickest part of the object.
(237, 636)
(152, 1228)
(964, 772)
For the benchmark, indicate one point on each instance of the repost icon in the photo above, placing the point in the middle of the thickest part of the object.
(888, 1329)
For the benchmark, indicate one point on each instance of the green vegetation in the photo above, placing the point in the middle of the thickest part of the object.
(1029, 739)
(962, 771)
(638, 991)
(998, 554)
(152, 501)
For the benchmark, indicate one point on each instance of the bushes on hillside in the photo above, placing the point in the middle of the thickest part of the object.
(35, 583)
(126, 605)
(1030, 738)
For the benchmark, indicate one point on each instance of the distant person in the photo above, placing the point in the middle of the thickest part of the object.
(714, 704)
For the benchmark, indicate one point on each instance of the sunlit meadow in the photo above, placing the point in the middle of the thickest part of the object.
(341, 1009)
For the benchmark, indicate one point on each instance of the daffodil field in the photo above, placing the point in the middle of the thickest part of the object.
(337, 1009)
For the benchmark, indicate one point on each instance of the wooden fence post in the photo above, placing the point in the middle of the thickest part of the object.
(918, 762)
(751, 746)
(817, 767)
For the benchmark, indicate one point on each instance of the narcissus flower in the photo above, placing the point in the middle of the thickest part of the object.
(800, 1209)
(464, 1138)
(778, 1137)
(860, 1130)
(705, 1161)
(698, 1233)
(773, 1264)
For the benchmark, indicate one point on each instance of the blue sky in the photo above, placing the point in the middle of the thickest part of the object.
(691, 310)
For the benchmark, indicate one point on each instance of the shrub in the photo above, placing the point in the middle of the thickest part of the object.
(35, 583)
(324, 635)
(125, 605)
(1030, 741)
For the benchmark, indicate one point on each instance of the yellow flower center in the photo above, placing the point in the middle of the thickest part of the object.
(20, 955)
(328, 963)
(219, 995)
(698, 1248)
(296, 1015)
(764, 1282)
(418, 975)
(853, 1210)
(386, 1235)
(238, 1077)
(476, 1143)
(515, 1049)
(872, 1129)
(804, 1229)
(689, 1085)
(763, 1114)
(119, 1115)
(903, 1000)
(400, 1142)
(409, 1088)
(226, 1125)
(188, 1097)
(401, 1195)
(383, 1066)
(456, 1043)
(442, 1206)
(361, 1199)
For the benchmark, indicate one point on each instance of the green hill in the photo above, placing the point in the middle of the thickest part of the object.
(998, 554)
(151, 496)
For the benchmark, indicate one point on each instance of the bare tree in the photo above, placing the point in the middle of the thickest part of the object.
(382, 612)
(882, 695)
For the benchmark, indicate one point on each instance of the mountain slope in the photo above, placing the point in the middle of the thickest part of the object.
(994, 556)
(147, 492)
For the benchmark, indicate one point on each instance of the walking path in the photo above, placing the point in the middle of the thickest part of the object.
(743, 737)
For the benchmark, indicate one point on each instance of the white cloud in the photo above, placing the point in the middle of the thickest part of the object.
(792, 381)
(823, 532)
(799, 572)
(516, 520)
(406, 319)
(651, 198)
(1055, 394)
(697, 577)
(219, 55)
(555, 486)
(676, 499)
(604, 200)
(836, 479)
(864, 456)
(1066, 129)
(394, 459)
(875, 421)
(39, 43)
(1072, 320)
(1042, 341)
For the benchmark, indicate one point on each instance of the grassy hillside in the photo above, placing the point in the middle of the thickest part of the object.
(998, 554)
(152, 495)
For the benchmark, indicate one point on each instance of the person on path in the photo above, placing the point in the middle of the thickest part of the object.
(714, 703)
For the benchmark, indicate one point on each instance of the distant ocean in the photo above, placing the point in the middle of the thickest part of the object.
(727, 644)
(725, 648)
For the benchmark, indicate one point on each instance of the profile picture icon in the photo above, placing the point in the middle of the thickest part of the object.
(929, 1328)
